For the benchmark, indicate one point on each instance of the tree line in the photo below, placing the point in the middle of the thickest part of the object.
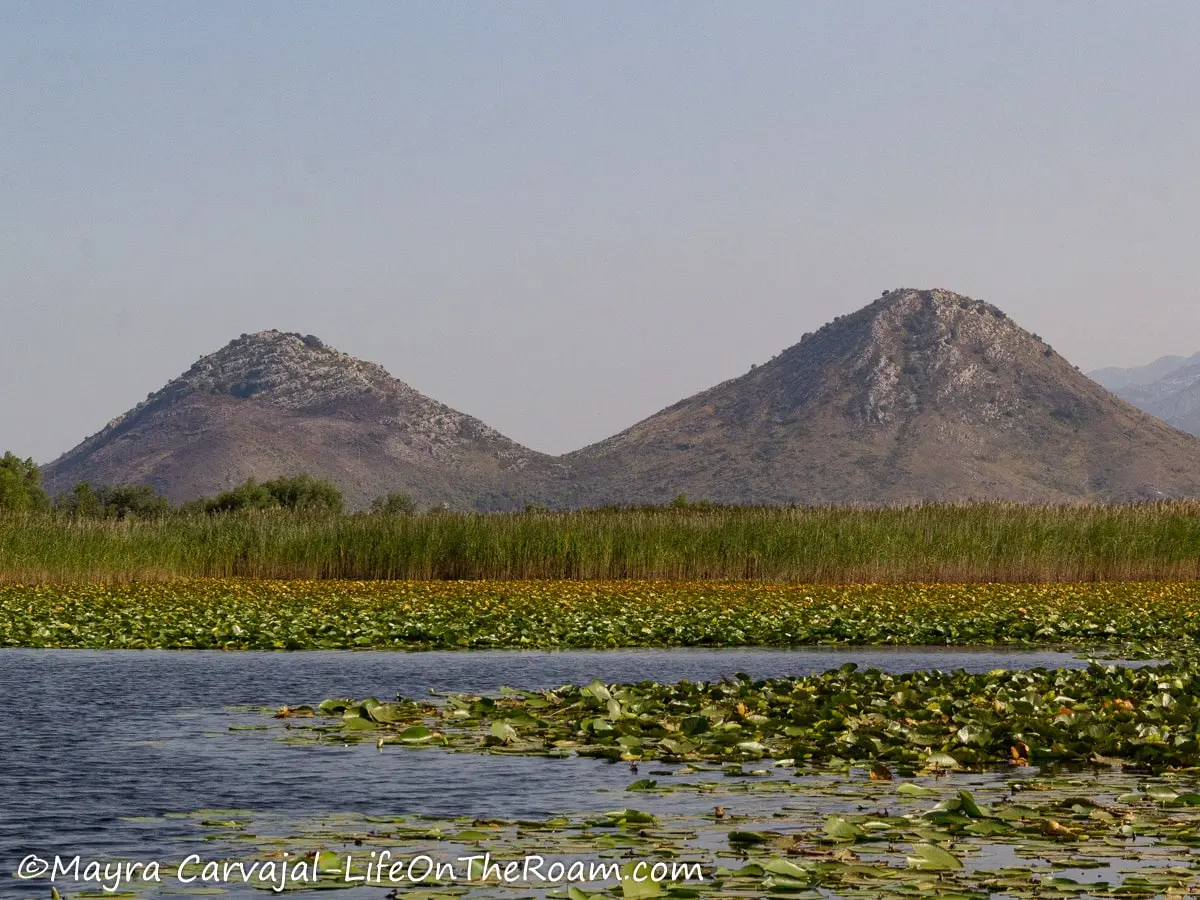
(21, 490)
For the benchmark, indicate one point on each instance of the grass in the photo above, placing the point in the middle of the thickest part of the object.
(927, 543)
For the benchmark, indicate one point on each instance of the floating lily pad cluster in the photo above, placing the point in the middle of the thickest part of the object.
(1105, 834)
(1144, 619)
(1105, 714)
(1044, 837)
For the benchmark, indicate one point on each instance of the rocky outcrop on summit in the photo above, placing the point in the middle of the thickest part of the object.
(922, 395)
(276, 403)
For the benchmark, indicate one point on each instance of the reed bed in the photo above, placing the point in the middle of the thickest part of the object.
(992, 542)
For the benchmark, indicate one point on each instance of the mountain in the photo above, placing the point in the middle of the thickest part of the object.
(1174, 398)
(1116, 379)
(922, 395)
(275, 403)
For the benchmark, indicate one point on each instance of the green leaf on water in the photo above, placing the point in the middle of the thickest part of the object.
(839, 829)
(630, 817)
(387, 713)
(785, 868)
(932, 857)
(645, 784)
(472, 835)
(987, 828)
(747, 837)
(967, 805)
(1161, 794)
(638, 890)
(597, 689)
(504, 732)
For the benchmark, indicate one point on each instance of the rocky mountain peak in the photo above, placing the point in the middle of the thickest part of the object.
(913, 349)
(286, 369)
(938, 349)
(925, 328)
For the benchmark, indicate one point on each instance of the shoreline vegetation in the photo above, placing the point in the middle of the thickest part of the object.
(928, 543)
(1129, 620)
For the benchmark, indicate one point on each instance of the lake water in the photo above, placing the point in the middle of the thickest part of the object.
(95, 739)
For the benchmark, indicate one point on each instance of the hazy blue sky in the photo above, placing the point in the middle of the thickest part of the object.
(561, 217)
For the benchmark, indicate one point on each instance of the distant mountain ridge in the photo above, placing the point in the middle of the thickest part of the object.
(1173, 396)
(1116, 379)
(921, 395)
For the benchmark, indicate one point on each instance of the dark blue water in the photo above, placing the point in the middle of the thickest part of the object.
(95, 737)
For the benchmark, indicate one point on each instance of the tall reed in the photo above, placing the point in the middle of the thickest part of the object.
(970, 542)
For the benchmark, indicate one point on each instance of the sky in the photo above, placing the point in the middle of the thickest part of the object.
(561, 217)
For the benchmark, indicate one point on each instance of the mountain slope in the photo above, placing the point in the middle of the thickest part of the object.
(922, 395)
(275, 403)
(1174, 398)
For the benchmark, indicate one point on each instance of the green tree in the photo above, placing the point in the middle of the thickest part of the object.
(119, 501)
(250, 495)
(21, 485)
(290, 492)
(303, 492)
(81, 502)
(136, 500)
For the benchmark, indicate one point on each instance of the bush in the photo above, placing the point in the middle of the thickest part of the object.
(394, 504)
